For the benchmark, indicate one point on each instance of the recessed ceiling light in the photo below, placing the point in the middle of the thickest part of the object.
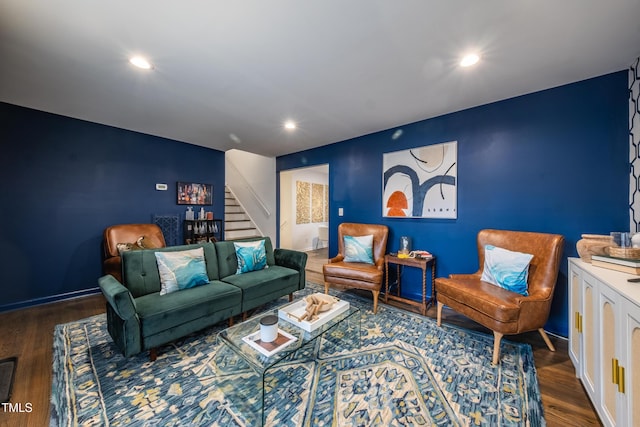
(140, 62)
(469, 60)
(290, 125)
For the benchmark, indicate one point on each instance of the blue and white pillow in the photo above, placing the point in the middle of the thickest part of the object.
(181, 270)
(507, 269)
(358, 249)
(251, 256)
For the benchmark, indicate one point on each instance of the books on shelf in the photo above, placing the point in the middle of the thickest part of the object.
(619, 264)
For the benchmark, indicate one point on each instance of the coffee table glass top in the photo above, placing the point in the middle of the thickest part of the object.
(233, 336)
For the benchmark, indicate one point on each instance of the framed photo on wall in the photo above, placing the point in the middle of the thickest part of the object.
(191, 193)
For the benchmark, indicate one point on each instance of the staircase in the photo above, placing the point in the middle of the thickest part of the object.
(237, 224)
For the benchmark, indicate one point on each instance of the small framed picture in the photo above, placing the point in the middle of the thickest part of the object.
(191, 193)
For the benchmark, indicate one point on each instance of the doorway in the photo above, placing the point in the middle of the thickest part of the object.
(304, 212)
(304, 208)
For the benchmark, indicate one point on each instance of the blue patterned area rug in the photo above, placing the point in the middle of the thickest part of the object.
(408, 372)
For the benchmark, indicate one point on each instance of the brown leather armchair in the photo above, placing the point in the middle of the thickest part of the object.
(356, 274)
(127, 233)
(503, 311)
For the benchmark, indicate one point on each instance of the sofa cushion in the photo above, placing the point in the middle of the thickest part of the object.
(356, 271)
(228, 261)
(491, 301)
(158, 313)
(251, 256)
(140, 269)
(181, 270)
(260, 286)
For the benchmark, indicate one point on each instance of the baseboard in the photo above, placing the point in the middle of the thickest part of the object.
(312, 248)
(560, 337)
(46, 300)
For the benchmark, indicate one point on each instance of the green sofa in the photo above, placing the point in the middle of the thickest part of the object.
(139, 318)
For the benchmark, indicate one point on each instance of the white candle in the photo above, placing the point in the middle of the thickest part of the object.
(268, 328)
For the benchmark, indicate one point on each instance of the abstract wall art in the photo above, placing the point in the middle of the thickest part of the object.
(312, 202)
(421, 182)
(303, 202)
(317, 202)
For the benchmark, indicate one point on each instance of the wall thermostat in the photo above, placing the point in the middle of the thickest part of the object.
(161, 187)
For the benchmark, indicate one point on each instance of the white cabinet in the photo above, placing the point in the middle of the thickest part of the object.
(610, 337)
(604, 336)
(631, 353)
(583, 340)
(575, 319)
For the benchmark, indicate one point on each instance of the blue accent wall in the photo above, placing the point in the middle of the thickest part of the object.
(63, 181)
(554, 161)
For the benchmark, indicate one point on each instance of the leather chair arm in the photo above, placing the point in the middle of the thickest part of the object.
(118, 297)
(475, 276)
(380, 264)
(534, 312)
(337, 258)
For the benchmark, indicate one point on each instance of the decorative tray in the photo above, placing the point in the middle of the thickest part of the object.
(293, 312)
(269, 348)
(628, 253)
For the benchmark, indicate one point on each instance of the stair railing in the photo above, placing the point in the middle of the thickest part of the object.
(245, 184)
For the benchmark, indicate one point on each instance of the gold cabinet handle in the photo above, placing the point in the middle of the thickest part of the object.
(614, 371)
(580, 322)
(621, 379)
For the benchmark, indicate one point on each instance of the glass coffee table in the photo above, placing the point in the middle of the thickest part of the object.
(241, 370)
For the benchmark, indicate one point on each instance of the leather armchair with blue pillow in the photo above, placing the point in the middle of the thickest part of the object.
(504, 311)
(366, 274)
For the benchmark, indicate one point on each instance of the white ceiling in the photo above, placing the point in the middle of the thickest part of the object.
(341, 69)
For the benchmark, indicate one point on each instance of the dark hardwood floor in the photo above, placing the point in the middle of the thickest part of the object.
(28, 335)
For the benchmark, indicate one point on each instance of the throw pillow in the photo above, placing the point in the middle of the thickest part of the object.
(507, 269)
(124, 247)
(251, 256)
(358, 249)
(141, 243)
(145, 243)
(181, 270)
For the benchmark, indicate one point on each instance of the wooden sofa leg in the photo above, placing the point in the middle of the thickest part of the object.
(153, 354)
(326, 287)
(244, 316)
(231, 321)
(497, 337)
(376, 294)
(439, 316)
(291, 297)
(546, 339)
